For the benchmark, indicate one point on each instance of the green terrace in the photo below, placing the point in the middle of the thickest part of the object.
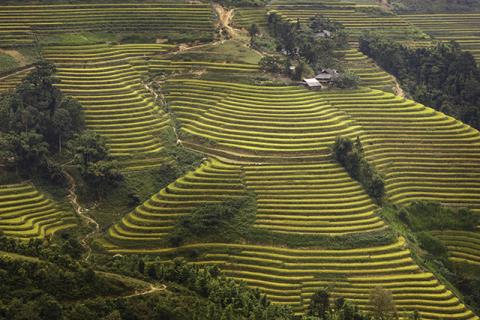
(291, 276)
(116, 103)
(423, 154)
(256, 122)
(356, 18)
(19, 23)
(459, 27)
(26, 213)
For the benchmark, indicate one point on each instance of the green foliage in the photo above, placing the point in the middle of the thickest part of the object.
(37, 120)
(224, 221)
(350, 155)
(323, 307)
(346, 80)
(7, 62)
(222, 292)
(347, 241)
(272, 64)
(301, 41)
(416, 221)
(382, 304)
(443, 77)
(429, 216)
(432, 245)
(94, 162)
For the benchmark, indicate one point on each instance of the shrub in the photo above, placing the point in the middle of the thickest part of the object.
(350, 155)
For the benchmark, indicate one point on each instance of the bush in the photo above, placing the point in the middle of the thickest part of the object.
(350, 155)
(427, 216)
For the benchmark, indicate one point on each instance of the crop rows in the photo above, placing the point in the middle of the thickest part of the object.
(459, 27)
(355, 18)
(116, 103)
(463, 246)
(369, 73)
(256, 121)
(158, 65)
(26, 213)
(152, 221)
(304, 199)
(245, 17)
(11, 81)
(19, 22)
(424, 154)
(291, 276)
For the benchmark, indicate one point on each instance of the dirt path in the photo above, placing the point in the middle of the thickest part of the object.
(225, 19)
(152, 289)
(160, 97)
(82, 212)
(398, 90)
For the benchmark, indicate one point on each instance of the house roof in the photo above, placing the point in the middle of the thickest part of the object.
(312, 82)
(323, 76)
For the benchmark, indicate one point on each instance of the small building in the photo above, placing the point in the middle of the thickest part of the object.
(312, 83)
(323, 34)
(326, 75)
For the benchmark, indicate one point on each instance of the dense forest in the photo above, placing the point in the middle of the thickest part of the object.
(443, 77)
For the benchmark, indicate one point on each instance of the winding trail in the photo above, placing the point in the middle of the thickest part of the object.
(152, 289)
(82, 212)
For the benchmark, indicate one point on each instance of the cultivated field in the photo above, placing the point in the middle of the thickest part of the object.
(26, 213)
(20, 24)
(459, 27)
(356, 18)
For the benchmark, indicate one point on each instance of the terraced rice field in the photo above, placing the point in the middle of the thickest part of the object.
(298, 198)
(26, 213)
(423, 153)
(459, 27)
(159, 65)
(369, 73)
(290, 276)
(116, 103)
(245, 17)
(19, 23)
(462, 246)
(356, 18)
(257, 122)
(151, 222)
(274, 141)
(11, 81)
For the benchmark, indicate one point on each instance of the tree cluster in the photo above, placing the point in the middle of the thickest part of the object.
(37, 120)
(444, 77)
(324, 307)
(226, 298)
(94, 162)
(301, 43)
(351, 156)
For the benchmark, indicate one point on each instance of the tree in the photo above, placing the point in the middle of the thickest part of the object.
(319, 304)
(271, 64)
(253, 30)
(382, 304)
(89, 147)
(92, 157)
(27, 150)
(346, 80)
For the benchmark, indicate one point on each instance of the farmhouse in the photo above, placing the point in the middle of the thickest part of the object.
(312, 83)
(326, 75)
